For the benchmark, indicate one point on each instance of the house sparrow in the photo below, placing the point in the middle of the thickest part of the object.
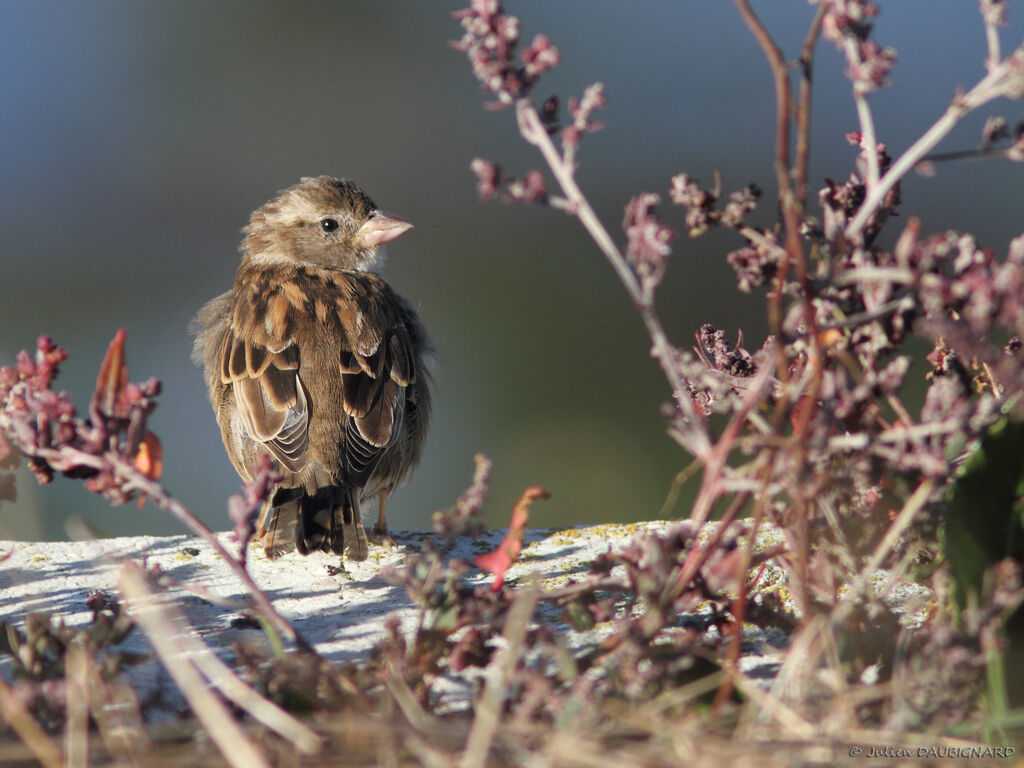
(312, 358)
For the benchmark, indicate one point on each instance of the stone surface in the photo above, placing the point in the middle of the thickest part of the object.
(338, 606)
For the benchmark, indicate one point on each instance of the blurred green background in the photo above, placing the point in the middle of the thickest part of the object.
(137, 137)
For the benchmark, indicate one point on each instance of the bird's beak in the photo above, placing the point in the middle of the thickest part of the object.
(382, 227)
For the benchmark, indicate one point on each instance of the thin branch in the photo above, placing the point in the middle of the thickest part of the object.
(868, 139)
(238, 749)
(791, 208)
(261, 605)
(716, 460)
(992, 38)
(739, 603)
(76, 725)
(488, 709)
(1004, 80)
(903, 304)
(783, 95)
(760, 240)
(532, 130)
(803, 110)
(301, 736)
(969, 154)
(903, 520)
(29, 731)
(681, 478)
(991, 16)
(859, 441)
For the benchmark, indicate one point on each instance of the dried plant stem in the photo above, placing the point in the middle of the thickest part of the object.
(1002, 80)
(903, 520)
(532, 130)
(739, 604)
(406, 701)
(868, 140)
(782, 102)
(76, 726)
(488, 710)
(769, 705)
(790, 203)
(117, 714)
(860, 440)
(992, 41)
(715, 462)
(902, 304)
(261, 605)
(760, 240)
(301, 736)
(135, 480)
(803, 110)
(22, 723)
(801, 660)
(681, 478)
(238, 750)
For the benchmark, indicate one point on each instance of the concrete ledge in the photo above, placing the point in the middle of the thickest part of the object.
(338, 606)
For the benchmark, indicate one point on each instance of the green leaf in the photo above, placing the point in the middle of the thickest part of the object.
(985, 518)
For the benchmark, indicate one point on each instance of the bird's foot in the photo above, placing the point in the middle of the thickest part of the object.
(379, 535)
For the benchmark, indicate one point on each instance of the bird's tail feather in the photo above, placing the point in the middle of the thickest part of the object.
(280, 536)
(350, 518)
(328, 520)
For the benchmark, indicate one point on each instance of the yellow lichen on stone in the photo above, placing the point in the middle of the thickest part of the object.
(553, 582)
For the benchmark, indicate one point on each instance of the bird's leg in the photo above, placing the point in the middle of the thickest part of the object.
(379, 534)
(261, 521)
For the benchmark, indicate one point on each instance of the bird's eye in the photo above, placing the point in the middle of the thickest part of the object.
(328, 225)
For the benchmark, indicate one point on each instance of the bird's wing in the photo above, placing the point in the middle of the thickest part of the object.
(377, 364)
(271, 398)
(260, 359)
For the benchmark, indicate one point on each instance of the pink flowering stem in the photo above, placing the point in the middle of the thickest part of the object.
(532, 130)
(1007, 79)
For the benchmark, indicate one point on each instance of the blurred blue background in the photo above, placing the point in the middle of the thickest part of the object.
(137, 137)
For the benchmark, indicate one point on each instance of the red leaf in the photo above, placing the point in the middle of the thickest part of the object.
(501, 559)
(113, 378)
(150, 458)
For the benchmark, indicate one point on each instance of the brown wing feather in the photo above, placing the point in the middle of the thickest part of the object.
(376, 426)
(403, 365)
(376, 363)
(272, 400)
(358, 393)
(374, 381)
(256, 360)
(375, 358)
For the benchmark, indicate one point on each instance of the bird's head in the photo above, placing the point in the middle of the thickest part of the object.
(325, 221)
